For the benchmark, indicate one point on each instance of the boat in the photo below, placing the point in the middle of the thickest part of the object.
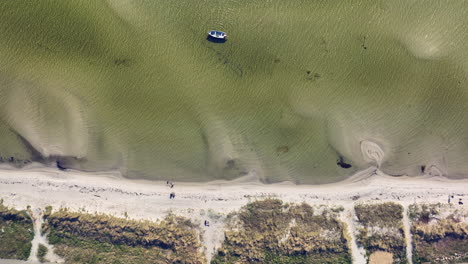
(217, 34)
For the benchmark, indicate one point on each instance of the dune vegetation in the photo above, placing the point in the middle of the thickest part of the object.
(380, 228)
(87, 238)
(439, 234)
(270, 231)
(16, 233)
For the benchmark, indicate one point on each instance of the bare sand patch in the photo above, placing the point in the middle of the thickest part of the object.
(381, 257)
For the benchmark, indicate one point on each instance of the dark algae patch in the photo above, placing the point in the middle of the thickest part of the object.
(439, 234)
(86, 238)
(380, 228)
(340, 162)
(270, 231)
(15, 233)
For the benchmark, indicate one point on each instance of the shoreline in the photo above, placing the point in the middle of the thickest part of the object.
(39, 187)
(109, 193)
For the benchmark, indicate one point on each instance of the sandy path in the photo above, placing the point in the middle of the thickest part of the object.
(36, 216)
(109, 193)
(408, 237)
(40, 238)
(357, 253)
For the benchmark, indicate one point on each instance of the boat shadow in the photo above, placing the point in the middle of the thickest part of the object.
(215, 40)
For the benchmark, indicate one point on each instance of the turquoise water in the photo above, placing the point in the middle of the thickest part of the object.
(136, 86)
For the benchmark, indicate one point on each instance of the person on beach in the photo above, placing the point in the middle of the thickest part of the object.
(207, 223)
(170, 183)
(172, 195)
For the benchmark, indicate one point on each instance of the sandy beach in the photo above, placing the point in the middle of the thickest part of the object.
(109, 193)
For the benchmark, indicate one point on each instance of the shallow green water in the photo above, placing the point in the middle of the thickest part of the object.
(136, 86)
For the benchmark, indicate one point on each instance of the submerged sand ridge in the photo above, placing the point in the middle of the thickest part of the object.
(293, 93)
(372, 152)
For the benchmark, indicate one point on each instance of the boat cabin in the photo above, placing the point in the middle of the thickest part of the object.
(217, 34)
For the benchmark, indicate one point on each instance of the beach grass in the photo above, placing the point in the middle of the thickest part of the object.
(87, 238)
(15, 233)
(381, 229)
(42, 252)
(270, 231)
(438, 237)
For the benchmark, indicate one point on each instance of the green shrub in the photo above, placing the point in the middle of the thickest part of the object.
(386, 217)
(436, 239)
(15, 233)
(270, 231)
(42, 252)
(87, 238)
